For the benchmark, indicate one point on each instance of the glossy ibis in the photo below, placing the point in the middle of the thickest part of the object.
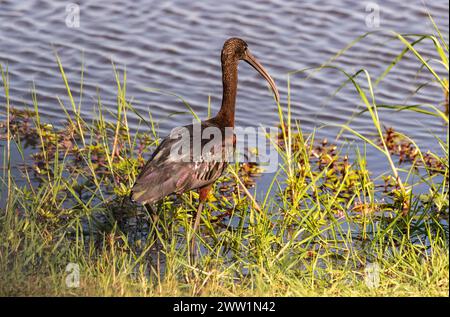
(165, 174)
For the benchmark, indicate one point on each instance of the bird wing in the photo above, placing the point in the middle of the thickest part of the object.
(172, 169)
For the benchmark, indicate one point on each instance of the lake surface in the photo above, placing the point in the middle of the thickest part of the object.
(175, 46)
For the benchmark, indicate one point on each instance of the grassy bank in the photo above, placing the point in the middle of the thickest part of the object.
(327, 228)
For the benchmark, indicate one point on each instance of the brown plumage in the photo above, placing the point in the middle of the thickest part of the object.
(163, 174)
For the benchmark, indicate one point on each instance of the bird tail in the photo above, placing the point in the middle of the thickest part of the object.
(145, 194)
(152, 188)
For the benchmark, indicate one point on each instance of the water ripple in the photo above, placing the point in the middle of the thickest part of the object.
(175, 46)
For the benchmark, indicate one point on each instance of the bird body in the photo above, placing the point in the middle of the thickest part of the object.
(172, 169)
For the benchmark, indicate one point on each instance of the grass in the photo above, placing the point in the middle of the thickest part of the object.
(324, 224)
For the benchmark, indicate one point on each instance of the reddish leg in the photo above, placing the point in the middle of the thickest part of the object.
(203, 193)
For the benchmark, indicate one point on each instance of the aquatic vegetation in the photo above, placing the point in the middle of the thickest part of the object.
(324, 220)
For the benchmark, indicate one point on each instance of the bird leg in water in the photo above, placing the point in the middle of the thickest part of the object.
(152, 211)
(203, 193)
(196, 224)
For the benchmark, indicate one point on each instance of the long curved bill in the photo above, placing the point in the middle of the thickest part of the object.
(249, 58)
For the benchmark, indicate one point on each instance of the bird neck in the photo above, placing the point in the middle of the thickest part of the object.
(225, 117)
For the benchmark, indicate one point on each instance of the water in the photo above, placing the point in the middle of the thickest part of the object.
(175, 46)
